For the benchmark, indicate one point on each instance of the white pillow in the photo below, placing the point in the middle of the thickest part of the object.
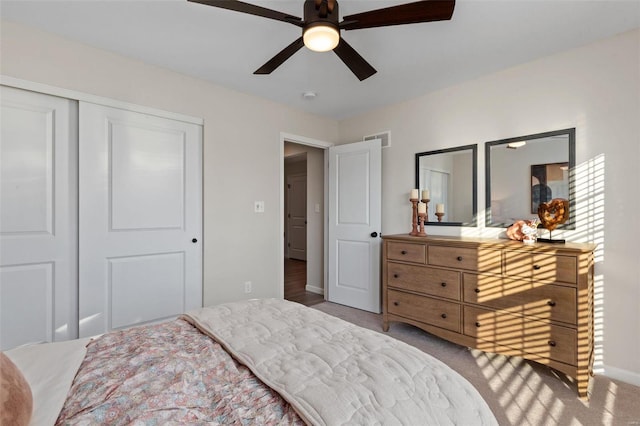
(49, 368)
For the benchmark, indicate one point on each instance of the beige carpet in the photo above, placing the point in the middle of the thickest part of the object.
(519, 392)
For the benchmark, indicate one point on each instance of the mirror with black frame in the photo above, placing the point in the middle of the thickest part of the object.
(450, 177)
(525, 171)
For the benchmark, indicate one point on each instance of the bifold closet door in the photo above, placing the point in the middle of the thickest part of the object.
(38, 221)
(140, 226)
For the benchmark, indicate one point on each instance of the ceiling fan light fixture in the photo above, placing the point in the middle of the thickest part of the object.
(321, 37)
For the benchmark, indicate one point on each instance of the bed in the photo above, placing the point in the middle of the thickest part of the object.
(264, 361)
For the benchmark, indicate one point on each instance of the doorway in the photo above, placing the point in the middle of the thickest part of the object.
(303, 220)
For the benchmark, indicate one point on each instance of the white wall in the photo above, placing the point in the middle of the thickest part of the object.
(241, 147)
(596, 89)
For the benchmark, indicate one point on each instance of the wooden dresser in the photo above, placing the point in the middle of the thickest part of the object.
(502, 296)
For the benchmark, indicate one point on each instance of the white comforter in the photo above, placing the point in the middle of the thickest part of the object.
(336, 373)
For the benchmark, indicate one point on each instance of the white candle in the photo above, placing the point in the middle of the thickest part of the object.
(439, 208)
(425, 194)
(422, 208)
(414, 194)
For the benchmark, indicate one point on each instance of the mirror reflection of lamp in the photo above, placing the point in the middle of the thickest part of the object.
(516, 145)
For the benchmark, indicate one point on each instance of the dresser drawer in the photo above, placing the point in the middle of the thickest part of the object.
(538, 338)
(431, 281)
(541, 267)
(474, 259)
(406, 251)
(522, 297)
(424, 309)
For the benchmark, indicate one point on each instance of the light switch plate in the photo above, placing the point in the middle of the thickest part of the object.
(258, 207)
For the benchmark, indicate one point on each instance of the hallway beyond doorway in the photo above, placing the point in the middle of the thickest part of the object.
(295, 279)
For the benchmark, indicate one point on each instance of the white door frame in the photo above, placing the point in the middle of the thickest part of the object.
(301, 140)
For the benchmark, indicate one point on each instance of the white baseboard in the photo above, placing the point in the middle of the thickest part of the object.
(314, 289)
(622, 375)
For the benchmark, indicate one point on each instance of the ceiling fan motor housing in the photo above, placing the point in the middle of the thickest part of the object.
(320, 30)
(322, 15)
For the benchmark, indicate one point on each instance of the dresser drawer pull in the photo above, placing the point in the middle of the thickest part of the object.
(443, 284)
(537, 267)
(477, 290)
(459, 258)
(477, 324)
(444, 316)
(395, 275)
(551, 303)
(396, 303)
(403, 252)
(551, 342)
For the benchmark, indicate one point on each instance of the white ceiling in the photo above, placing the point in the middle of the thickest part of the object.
(225, 47)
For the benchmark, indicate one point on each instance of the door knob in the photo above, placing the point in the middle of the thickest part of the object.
(374, 234)
(195, 240)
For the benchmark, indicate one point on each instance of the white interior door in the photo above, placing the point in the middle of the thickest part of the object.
(354, 225)
(297, 216)
(140, 197)
(38, 230)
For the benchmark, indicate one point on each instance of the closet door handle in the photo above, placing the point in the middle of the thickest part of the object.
(195, 240)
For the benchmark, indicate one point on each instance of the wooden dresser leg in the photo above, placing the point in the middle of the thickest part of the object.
(583, 387)
(385, 325)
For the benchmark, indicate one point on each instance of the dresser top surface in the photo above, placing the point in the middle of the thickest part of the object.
(493, 243)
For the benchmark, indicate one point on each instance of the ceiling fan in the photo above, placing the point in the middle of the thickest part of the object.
(321, 29)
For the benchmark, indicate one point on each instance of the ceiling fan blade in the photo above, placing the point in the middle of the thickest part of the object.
(410, 13)
(252, 9)
(353, 60)
(277, 60)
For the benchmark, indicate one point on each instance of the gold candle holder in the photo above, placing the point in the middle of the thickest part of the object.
(439, 216)
(422, 218)
(414, 218)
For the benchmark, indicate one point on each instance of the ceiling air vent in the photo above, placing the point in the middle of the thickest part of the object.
(385, 136)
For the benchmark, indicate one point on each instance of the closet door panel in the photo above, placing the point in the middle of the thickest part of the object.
(38, 218)
(140, 218)
(147, 178)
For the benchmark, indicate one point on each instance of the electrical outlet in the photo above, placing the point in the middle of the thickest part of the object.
(258, 206)
(247, 287)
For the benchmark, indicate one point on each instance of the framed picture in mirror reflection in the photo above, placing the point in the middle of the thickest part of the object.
(548, 181)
